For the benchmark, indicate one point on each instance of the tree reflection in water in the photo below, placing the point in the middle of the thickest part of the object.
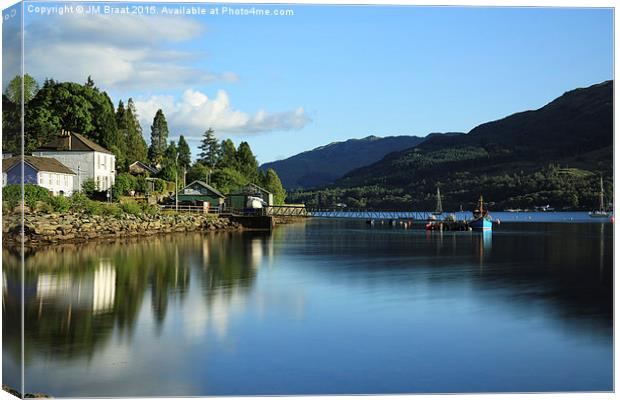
(77, 295)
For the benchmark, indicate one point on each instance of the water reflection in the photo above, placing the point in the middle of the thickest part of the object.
(568, 264)
(485, 239)
(93, 291)
(76, 295)
(190, 314)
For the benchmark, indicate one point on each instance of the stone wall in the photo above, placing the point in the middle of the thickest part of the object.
(73, 227)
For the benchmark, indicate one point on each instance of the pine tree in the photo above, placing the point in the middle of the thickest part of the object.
(228, 155)
(209, 149)
(159, 138)
(169, 163)
(136, 145)
(185, 155)
(119, 145)
(246, 161)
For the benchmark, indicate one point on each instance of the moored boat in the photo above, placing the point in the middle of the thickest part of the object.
(601, 212)
(482, 220)
(482, 224)
(438, 208)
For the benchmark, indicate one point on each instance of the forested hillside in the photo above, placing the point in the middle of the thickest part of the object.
(553, 155)
(325, 164)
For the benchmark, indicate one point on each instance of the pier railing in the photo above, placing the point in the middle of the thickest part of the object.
(301, 211)
(190, 209)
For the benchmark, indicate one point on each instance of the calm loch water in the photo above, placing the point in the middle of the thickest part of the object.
(318, 307)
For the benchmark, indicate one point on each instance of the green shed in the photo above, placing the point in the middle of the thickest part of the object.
(199, 192)
(238, 199)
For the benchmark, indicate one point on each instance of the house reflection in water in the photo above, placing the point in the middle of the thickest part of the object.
(90, 292)
(256, 252)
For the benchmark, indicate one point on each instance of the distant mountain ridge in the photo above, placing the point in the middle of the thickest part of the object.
(325, 164)
(552, 155)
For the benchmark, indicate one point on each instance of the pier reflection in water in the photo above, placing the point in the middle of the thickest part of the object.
(335, 306)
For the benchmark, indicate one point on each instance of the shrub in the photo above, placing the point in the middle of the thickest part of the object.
(89, 188)
(160, 185)
(150, 209)
(34, 194)
(46, 208)
(60, 204)
(94, 207)
(141, 184)
(112, 209)
(123, 184)
(12, 195)
(78, 201)
(131, 208)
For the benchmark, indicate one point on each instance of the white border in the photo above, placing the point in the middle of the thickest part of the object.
(483, 3)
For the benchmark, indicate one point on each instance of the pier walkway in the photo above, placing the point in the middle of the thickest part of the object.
(300, 211)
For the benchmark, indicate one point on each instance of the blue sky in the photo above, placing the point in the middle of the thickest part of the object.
(287, 84)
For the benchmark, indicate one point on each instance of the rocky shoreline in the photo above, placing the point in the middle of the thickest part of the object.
(42, 229)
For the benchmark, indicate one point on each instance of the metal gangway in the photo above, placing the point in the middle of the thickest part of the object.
(301, 211)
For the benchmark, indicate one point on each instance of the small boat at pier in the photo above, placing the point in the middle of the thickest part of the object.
(450, 223)
(482, 220)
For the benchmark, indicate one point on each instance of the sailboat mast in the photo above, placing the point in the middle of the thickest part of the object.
(600, 197)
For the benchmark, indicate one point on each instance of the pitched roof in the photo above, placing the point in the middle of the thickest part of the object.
(70, 141)
(143, 166)
(245, 190)
(45, 164)
(258, 187)
(211, 188)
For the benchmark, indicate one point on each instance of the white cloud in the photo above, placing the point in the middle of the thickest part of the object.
(11, 44)
(195, 112)
(133, 54)
(119, 52)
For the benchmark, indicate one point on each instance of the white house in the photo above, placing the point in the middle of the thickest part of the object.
(88, 159)
(46, 172)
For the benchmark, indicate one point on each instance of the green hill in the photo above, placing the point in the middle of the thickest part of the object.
(325, 164)
(552, 155)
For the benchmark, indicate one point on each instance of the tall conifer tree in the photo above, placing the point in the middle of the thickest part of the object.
(209, 148)
(159, 138)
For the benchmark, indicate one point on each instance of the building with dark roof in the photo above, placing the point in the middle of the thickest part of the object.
(43, 171)
(199, 192)
(140, 168)
(239, 199)
(86, 158)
